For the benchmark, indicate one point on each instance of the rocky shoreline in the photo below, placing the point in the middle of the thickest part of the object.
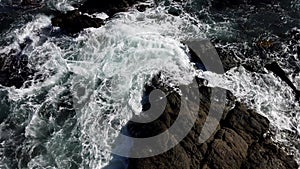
(240, 142)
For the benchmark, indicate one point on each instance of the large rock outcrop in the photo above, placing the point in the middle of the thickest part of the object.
(240, 141)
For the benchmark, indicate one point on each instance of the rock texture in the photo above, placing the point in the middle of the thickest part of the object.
(239, 142)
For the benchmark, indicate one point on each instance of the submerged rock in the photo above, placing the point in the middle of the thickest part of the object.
(174, 11)
(275, 68)
(75, 21)
(221, 4)
(110, 7)
(14, 70)
(14, 67)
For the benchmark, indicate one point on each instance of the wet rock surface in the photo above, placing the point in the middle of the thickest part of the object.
(240, 141)
(75, 21)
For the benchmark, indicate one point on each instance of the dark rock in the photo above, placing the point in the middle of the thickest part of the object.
(174, 11)
(275, 68)
(177, 158)
(228, 150)
(268, 156)
(238, 142)
(247, 123)
(28, 2)
(74, 21)
(142, 7)
(110, 7)
(167, 3)
(14, 67)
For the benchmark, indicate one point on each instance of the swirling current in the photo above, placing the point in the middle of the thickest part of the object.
(109, 66)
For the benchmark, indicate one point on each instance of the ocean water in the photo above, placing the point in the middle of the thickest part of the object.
(87, 87)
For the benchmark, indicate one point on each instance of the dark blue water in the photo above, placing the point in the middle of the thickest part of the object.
(40, 124)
